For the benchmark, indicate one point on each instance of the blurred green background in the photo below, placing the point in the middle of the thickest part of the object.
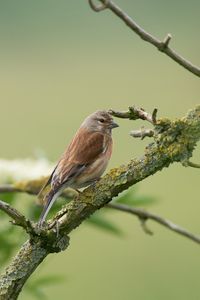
(61, 61)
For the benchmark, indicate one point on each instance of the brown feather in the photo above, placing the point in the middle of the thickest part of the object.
(84, 149)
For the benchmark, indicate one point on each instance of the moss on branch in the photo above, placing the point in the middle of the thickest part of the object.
(22, 266)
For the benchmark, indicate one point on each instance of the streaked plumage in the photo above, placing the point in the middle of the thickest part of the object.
(85, 159)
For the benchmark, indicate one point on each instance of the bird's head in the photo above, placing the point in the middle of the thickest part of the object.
(100, 121)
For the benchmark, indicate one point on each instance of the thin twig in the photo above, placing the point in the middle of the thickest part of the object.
(193, 165)
(7, 188)
(166, 40)
(135, 113)
(142, 133)
(144, 215)
(162, 46)
(120, 114)
(99, 8)
(18, 218)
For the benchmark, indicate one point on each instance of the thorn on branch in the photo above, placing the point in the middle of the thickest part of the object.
(165, 43)
(142, 133)
(143, 222)
(167, 39)
(154, 115)
(99, 7)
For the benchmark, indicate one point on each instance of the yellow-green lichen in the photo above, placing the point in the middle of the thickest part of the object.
(31, 186)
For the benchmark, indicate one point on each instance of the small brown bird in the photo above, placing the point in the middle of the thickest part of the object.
(85, 159)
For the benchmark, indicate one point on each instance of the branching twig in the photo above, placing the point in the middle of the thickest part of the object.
(142, 133)
(191, 164)
(135, 113)
(162, 46)
(144, 215)
(18, 218)
(166, 40)
(99, 8)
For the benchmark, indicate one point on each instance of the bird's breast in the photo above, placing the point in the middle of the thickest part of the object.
(96, 168)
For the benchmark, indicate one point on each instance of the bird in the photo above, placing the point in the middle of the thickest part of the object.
(84, 160)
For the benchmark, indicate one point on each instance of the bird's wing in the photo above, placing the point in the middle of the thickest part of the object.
(83, 150)
(40, 194)
(85, 147)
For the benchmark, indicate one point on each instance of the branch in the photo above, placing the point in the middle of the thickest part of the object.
(142, 133)
(135, 113)
(8, 188)
(20, 269)
(144, 216)
(188, 163)
(30, 186)
(18, 218)
(193, 165)
(162, 46)
(98, 8)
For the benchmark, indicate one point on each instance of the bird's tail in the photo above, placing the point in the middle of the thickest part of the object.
(49, 201)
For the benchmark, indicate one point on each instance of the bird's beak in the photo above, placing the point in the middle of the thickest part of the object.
(114, 125)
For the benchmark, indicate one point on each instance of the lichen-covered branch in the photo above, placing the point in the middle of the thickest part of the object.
(17, 217)
(174, 141)
(29, 257)
(22, 266)
(135, 113)
(162, 46)
(142, 133)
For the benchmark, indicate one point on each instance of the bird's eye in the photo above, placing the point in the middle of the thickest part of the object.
(101, 120)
